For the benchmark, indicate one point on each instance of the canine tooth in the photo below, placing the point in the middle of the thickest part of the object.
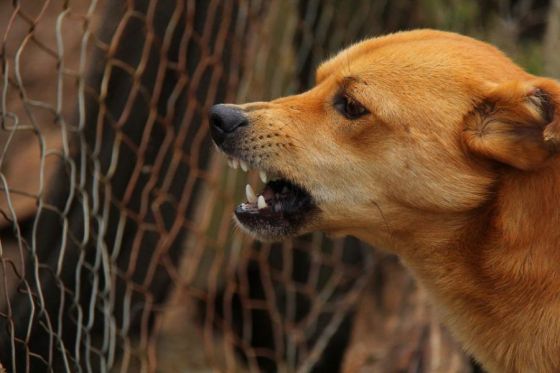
(230, 162)
(235, 164)
(251, 197)
(261, 203)
(263, 177)
(244, 165)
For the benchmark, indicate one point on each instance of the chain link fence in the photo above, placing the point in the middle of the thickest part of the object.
(117, 247)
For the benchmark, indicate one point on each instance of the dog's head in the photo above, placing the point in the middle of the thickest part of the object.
(398, 129)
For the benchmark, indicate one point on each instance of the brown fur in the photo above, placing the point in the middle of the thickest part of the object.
(455, 169)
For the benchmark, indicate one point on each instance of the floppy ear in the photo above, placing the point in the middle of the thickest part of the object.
(517, 123)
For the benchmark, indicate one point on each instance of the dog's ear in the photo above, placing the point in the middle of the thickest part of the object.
(516, 123)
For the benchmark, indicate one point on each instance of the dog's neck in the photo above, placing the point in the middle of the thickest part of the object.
(491, 271)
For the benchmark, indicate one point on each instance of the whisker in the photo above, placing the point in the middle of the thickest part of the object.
(387, 227)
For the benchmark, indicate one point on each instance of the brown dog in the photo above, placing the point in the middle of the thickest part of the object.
(436, 147)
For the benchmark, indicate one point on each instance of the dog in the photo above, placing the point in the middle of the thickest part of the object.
(438, 148)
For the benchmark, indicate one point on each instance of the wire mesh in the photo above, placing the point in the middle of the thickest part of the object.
(117, 248)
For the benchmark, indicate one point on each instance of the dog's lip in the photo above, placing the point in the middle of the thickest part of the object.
(265, 174)
(279, 210)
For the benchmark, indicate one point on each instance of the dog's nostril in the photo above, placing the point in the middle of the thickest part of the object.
(226, 118)
(216, 122)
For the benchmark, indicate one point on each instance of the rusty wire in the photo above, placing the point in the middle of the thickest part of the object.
(117, 247)
(82, 110)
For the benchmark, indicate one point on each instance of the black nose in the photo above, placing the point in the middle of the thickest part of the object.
(224, 120)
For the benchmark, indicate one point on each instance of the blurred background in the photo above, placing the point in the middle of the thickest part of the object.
(117, 248)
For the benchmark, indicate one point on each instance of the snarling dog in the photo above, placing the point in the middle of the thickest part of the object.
(436, 147)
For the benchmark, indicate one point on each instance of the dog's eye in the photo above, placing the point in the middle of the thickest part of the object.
(349, 107)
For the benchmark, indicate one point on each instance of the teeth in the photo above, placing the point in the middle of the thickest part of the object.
(244, 165)
(234, 164)
(263, 177)
(261, 203)
(251, 197)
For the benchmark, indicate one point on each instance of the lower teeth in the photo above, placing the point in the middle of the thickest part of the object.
(261, 203)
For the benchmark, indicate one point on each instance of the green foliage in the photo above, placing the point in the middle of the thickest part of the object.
(530, 56)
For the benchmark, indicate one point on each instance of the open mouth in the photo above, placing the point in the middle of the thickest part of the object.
(279, 210)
